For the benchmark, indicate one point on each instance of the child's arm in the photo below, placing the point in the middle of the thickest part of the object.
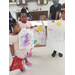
(29, 19)
(60, 17)
(12, 51)
(57, 13)
(53, 21)
(33, 26)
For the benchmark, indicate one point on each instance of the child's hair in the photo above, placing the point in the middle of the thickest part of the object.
(19, 14)
(63, 5)
(9, 21)
(23, 10)
(9, 13)
(13, 23)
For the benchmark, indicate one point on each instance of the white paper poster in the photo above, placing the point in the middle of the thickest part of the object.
(39, 35)
(56, 35)
(26, 39)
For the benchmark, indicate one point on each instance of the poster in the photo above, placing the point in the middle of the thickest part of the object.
(56, 35)
(26, 39)
(39, 35)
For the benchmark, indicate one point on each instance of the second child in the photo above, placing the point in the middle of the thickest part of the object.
(63, 18)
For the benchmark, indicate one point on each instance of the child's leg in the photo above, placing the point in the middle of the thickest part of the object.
(30, 53)
(27, 62)
(23, 70)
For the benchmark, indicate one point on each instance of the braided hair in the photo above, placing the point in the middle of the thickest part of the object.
(13, 23)
(23, 10)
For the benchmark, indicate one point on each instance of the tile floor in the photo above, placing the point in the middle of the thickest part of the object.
(42, 63)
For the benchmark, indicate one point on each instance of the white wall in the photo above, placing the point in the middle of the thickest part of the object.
(31, 6)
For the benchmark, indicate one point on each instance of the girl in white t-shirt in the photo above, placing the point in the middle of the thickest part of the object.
(25, 24)
(14, 44)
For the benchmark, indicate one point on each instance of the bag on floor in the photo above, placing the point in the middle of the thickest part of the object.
(16, 64)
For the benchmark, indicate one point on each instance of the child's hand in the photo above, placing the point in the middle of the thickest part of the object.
(15, 57)
(35, 26)
(53, 21)
(46, 19)
(28, 19)
(27, 28)
(31, 27)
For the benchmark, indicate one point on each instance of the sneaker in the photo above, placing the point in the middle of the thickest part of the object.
(60, 55)
(54, 53)
(28, 63)
(23, 70)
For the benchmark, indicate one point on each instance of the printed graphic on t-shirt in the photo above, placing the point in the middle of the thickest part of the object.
(17, 42)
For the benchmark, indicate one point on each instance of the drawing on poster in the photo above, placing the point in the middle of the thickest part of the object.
(39, 35)
(58, 23)
(56, 35)
(26, 39)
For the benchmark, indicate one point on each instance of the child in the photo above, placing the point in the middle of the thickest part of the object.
(63, 18)
(29, 17)
(25, 24)
(62, 7)
(14, 43)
